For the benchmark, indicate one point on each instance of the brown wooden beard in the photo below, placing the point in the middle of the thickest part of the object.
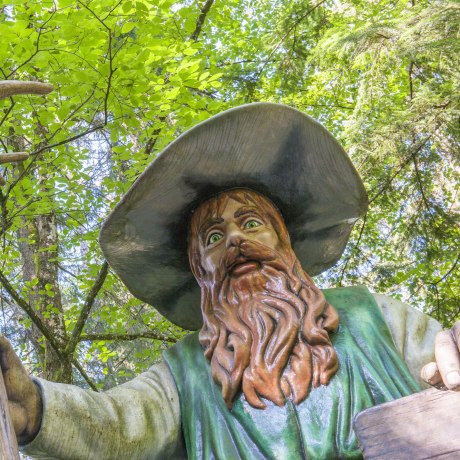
(266, 332)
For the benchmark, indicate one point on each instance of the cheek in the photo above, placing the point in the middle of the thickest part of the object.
(269, 238)
(210, 260)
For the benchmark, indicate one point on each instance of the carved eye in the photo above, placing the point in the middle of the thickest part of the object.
(213, 238)
(250, 224)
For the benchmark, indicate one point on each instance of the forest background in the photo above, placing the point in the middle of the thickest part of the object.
(129, 76)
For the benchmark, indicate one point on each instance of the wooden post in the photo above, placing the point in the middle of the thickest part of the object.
(424, 425)
(8, 443)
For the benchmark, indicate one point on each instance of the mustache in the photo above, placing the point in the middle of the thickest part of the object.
(250, 251)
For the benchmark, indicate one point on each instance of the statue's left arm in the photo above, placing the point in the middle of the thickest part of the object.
(431, 354)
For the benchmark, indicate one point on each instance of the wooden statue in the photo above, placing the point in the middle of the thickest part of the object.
(255, 201)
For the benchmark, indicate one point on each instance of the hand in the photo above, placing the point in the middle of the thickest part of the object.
(24, 399)
(446, 369)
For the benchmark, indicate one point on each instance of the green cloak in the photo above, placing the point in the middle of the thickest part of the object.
(371, 372)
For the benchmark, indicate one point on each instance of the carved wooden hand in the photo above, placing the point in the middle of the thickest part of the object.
(24, 399)
(446, 370)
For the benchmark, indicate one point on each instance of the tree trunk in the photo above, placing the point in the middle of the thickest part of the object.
(38, 245)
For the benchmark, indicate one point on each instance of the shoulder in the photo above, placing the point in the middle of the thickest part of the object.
(401, 317)
(413, 332)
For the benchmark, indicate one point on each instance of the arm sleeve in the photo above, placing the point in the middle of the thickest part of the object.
(137, 420)
(413, 333)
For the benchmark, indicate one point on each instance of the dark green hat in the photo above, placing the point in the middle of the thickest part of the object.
(273, 149)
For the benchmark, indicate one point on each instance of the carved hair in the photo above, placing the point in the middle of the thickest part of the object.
(267, 332)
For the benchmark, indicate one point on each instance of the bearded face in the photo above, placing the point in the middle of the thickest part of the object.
(265, 324)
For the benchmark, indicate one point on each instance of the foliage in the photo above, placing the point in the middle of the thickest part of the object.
(131, 75)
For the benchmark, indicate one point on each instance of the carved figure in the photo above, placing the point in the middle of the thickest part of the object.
(278, 368)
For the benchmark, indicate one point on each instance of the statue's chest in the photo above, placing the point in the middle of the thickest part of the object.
(370, 372)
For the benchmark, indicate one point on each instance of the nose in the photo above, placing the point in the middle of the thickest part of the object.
(234, 236)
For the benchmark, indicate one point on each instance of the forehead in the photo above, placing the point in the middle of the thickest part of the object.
(231, 209)
(232, 201)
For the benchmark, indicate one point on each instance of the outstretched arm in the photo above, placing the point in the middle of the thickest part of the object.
(138, 420)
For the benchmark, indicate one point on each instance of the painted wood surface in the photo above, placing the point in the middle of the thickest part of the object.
(425, 425)
(8, 444)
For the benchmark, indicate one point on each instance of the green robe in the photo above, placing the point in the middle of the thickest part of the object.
(370, 372)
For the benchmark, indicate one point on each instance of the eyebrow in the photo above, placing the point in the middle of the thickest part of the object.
(209, 223)
(246, 210)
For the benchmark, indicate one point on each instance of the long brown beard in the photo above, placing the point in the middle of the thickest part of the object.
(267, 332)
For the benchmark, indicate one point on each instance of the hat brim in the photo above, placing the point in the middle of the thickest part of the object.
(274, 149)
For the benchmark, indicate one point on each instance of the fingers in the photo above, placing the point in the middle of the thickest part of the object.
(456, 334)
(448, 358)
(18, 417)
(14, 373)
(24, 398)
(5, 350)
(18, 383)
(8, 357)
(430, 374)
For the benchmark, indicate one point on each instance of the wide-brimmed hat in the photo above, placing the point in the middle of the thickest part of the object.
(273, 149)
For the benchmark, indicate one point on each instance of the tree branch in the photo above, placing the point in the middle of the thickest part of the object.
(43, 329)
(400, 168)
(353, 250)
(411, 84)
(95, 128)
(36, 153)
(7, 112)
(84, 374)
(71, 345)
(37, 46)
(420, 186)
(201, 19)
(457, 260)
(138, 335)
(110, 57)
(31, 312)
(296, 23)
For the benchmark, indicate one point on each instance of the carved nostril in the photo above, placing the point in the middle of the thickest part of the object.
(234, 238)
